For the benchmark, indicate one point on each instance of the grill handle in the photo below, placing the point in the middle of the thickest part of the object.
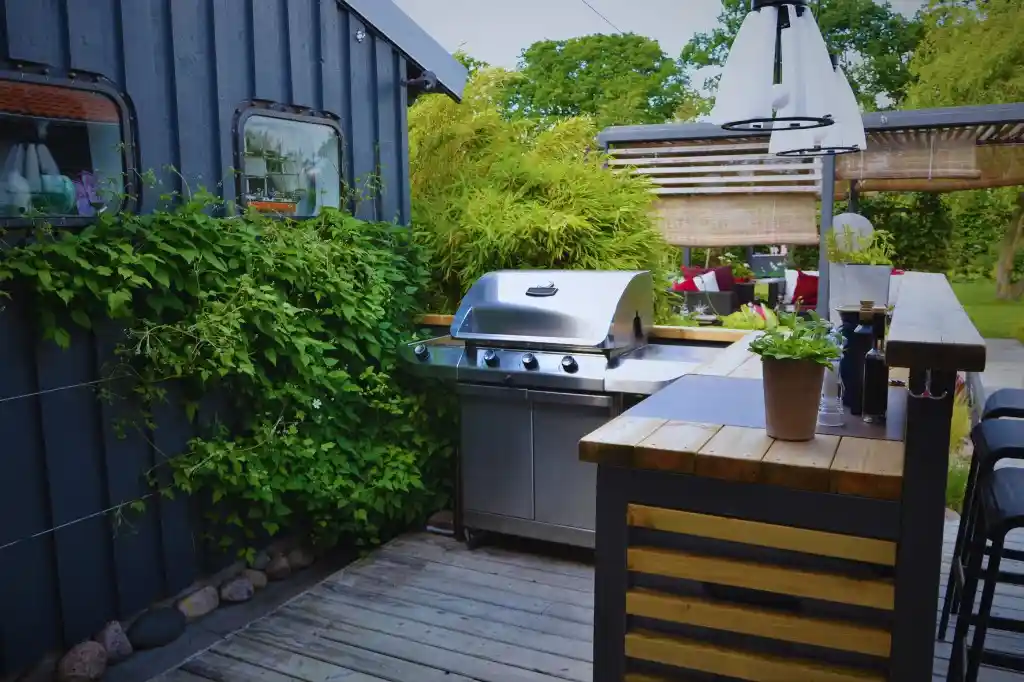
(582, 399)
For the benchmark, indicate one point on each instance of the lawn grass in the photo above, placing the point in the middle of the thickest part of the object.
(995, 319)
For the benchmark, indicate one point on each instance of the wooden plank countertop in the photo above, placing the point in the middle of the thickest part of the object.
(930, 329)
(711, 423)
(658, 332)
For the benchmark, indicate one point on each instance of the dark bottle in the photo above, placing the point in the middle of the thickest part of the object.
(875, 397)
(861, 342)
(876, 384)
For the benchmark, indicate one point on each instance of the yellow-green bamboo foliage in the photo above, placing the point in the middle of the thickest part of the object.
(490, 193)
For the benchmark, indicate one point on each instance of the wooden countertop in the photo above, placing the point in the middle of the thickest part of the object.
(930, 329)
(711, 423)
(658, 332)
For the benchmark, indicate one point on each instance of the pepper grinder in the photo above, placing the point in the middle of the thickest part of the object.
(861, 341)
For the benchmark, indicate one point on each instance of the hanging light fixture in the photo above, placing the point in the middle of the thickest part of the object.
(847, 136)
(777, 75)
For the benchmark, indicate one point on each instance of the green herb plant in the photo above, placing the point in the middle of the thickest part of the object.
(294, 324)
(853, 249)
(806, 340)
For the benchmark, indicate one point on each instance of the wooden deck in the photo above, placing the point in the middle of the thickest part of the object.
(424, 609)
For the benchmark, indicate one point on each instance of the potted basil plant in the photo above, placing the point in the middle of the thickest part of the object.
(794, 360)
(859, 267)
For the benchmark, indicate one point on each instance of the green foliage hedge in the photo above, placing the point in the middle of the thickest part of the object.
(296, 323)
(491, 193)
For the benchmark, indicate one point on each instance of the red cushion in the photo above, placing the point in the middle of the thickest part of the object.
(686, 285)
(724, 277)
(691, 271)
(806, 290)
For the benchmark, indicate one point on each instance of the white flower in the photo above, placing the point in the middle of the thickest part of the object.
(316, 403)
(700, 309)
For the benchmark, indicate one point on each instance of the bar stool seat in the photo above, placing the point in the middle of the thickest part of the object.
(1003, 501)
(1004, 402)
(995, 438)
(1000, 510)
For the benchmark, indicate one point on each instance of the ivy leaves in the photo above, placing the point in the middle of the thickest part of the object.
(296, 323)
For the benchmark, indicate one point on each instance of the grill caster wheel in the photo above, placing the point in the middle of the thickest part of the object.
(474, 538)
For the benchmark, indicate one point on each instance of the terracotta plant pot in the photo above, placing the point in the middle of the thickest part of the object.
(792, 391)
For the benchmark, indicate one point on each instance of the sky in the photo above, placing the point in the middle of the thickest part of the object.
(496, 31)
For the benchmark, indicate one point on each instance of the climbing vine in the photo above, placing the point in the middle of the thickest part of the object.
(293, 324)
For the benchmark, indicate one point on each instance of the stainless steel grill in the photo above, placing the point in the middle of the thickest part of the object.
(541, 358)
(557, 329)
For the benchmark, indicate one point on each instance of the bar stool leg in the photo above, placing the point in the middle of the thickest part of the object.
(951, 602)
(975, 553)
(984, 611)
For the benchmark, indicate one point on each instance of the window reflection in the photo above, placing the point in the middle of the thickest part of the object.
(61, 150)
(290, 167)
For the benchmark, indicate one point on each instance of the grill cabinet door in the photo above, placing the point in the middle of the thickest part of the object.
(566, 488)
(496, 451)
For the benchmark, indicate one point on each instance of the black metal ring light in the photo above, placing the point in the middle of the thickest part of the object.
(831, 150)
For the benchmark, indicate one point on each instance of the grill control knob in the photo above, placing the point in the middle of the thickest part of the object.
(529, 361)
(490, 358)
(569, 364)
(421, 352)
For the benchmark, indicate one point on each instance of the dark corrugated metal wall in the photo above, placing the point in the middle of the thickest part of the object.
(186, 66)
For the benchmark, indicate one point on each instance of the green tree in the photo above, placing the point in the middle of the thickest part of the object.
(471, 63)
(618, 79)
(974, 54)
(873, 42)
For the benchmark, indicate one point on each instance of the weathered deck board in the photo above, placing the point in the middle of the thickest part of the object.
(424, 609)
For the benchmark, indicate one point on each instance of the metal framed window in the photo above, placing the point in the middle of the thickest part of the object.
(288, 163)
(67, 150)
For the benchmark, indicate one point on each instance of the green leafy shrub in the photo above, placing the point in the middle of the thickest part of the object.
(296, 323)
(920, 225)
(491, 193)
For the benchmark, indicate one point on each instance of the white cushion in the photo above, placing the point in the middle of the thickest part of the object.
(791, 277)
(706, 282)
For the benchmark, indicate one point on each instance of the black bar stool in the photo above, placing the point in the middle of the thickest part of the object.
(990, 445)
(1000, 510)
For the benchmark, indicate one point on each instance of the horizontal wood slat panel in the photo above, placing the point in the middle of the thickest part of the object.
(758, 622)
(876, 594)
(774, 189)
(745, 169)
(741, 665)
(866, 550)
(662, 150)
(671, 180)
(737, 168)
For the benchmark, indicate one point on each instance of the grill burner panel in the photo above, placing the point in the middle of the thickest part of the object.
(510, 369)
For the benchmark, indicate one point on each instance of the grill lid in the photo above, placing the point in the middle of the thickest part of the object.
(606, 310)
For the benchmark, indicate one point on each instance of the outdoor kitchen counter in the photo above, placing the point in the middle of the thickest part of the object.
(722, 551)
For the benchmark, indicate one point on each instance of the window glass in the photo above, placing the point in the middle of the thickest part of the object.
(61, 150)
(290, 167)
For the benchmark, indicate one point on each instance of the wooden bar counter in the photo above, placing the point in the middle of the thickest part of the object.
(725, 555)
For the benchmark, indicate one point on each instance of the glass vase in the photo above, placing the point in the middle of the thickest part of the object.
(830, 407)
